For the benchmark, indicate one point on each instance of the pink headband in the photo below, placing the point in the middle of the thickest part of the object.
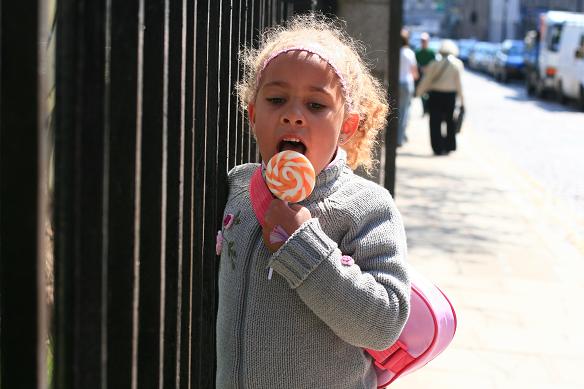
(348, 101)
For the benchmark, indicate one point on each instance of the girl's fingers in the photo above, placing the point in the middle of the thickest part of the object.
(289, 216)
(295, 207)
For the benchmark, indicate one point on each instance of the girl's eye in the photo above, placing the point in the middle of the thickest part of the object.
(275, 100)
(315, 106)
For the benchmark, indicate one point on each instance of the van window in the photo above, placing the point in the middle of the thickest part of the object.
(553, 38)
(580, 49)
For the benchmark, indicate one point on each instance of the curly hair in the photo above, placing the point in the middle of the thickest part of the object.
(364, 94)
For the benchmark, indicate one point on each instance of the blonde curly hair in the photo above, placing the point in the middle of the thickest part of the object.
(364, 94)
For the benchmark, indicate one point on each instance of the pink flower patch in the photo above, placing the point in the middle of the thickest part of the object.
(347, 261)
(228, 221)
(219, 242)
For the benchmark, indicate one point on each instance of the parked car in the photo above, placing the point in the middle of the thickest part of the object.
(476, 55)
(490, 58)
(509, 61)
(465, 46)
(559, 66)
(482, 56)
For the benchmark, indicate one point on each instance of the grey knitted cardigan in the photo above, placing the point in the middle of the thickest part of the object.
(306, 327)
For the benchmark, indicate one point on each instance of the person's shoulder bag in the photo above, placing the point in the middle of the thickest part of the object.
(458, 118)
(440, 72)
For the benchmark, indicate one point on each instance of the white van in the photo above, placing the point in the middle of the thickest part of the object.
(560, 64)
(570, 75)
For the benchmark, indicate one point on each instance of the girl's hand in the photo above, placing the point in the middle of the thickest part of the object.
(282, 219)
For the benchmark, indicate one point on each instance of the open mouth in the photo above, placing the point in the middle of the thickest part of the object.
(293, 144)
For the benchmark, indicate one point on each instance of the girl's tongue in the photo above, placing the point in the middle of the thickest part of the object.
(293, 146)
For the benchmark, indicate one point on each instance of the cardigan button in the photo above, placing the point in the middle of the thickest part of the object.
(347, 260)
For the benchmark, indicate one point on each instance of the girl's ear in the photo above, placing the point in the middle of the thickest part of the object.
(251, 113)
(349, 127)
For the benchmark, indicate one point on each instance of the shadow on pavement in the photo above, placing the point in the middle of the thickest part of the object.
(443, 219)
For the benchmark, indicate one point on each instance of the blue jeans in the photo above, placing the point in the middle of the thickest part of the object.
(405, 98)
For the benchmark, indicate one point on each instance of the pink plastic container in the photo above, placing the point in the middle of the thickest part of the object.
(428, 331)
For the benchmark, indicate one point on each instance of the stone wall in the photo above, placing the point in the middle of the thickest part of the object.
(368, 21)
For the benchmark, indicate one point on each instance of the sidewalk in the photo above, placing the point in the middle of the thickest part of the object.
(509, 256)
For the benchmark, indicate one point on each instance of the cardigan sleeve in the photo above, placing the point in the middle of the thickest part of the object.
(366, 303)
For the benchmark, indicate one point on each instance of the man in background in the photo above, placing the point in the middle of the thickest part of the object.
(408, 74)
(424, 55)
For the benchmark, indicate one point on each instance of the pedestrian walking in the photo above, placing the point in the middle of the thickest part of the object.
(339, 282)
(408, 73)
(442, 82)
(424, 55)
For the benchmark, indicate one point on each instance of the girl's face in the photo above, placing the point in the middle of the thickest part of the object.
(300, 106)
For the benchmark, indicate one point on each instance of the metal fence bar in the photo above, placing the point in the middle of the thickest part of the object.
(262, 14)
(79, 189)
(152, 209)
(242, 123)
(22, 325)
(225, 104)
(200, 139)
(253, 39)
(184, 372)
(175, 75)
(395, 15)
(208, 266)
(123, 101)
(247, 40)
(235, 118)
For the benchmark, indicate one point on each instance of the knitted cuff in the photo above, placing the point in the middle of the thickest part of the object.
(302, 253)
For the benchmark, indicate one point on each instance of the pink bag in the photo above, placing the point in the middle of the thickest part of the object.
(430, 326)
(428, 331)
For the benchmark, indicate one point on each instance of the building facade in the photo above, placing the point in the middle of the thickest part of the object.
(531, 9)
(505, 20)
(424, 15)
(488, 20)
(473, 21)
(449, 18)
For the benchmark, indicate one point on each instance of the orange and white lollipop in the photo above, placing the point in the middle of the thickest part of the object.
(290, 176)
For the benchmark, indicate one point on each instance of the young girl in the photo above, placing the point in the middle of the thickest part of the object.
(339, 282)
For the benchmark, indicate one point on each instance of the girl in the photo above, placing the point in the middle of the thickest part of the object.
(339, 281)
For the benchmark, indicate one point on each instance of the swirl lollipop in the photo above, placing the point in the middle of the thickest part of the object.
(290, 176)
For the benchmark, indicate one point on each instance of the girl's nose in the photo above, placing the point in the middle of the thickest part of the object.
(293, 117)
